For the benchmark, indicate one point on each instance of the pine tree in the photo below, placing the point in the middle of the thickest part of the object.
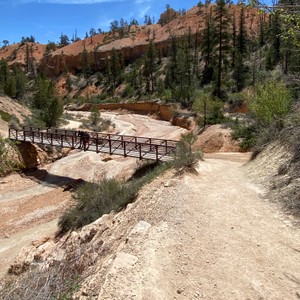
(10, 87)
(4, 73)
(289, 16)
(150, 68)
(27, 58)
(21, 83)
(46, 100)
(115, 67)
(242, 36)
(240, 70)
(64, 40)
(273, 56)
(85, 61)
(172, 65)
(207, 48)
(223, 41)
(234, 39)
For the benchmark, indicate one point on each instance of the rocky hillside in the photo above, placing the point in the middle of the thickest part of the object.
(11, 111)
(131, 45)
(278, 167)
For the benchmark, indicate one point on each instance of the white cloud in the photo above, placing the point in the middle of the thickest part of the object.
(143, 11)
(38, 25)
(142, 1)
(104, 24)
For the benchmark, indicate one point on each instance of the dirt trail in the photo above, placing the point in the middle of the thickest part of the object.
(213, 236)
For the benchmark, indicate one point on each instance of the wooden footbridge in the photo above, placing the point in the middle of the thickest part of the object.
(125, 145)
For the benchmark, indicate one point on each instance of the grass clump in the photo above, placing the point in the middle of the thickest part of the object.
(59, 281)
(92, 200)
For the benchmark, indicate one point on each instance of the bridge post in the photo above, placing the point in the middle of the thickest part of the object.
(24, 134)
(140, 151)
(97, 144)
(42, 137)
(62, 141)
(156, 150)
(73, 142)
(109, 143)
(124, 147)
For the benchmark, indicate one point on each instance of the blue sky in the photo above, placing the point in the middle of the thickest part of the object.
(47, 19)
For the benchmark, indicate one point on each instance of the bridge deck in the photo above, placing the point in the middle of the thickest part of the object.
(125, 145)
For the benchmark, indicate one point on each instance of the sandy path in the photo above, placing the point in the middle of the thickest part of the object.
(10, 248)
(213, 236)
(134, 124)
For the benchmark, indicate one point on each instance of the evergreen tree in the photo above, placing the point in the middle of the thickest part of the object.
(207, 48)
(53, 112)
(4, 73)
(85, 61)
(234, 39)
(115, 67)
(172, 65)
(180, 77)
(13, 83)
(95, 117)
(64, 40)
(222, 22)
(242, 36)
(240, 70)
(10, 87)
(21, 82)
(69, 83)
(46, 100)
(5, 43)
(114, 26)
(200, 7)
(289, 16)
(147, 20)
(150, 68)
(134, 22)
(273, 56)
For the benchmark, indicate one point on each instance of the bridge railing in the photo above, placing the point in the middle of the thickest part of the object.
(126, 145)
(112, 136)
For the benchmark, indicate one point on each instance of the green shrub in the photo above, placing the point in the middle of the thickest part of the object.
(129, 91)
(247, 134)
(95, 122)
(92, 200)
(185, 158)
(209, 108)
(7, 163)
(5, 116)
(95, 199)
(271, 102)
